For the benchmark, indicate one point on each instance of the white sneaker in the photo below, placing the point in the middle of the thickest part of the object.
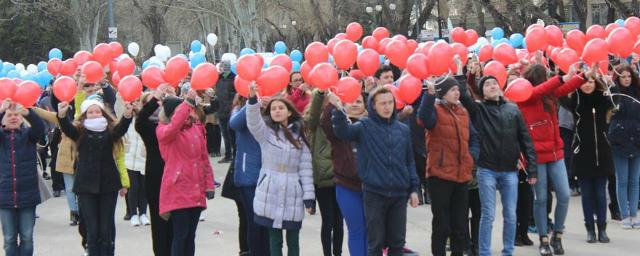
(626, 223)
(635, 223)
(135, 220)
(144, 220)
(202, 216)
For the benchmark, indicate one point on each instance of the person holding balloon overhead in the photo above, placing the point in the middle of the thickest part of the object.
(225, 92)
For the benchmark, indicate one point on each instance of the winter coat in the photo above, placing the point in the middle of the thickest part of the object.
(286, 176)
(592, 156)
(624, 129)
(299, 98)
(96, 169)
(135, 153)
(154, 164)
(187, 170)
(502, 131)
(320, 145)
(452, 141)
(343, 154)
(248, 160)
(543, 124)
(66, 157)
(225, 92)
(386, 163)
(19, 164)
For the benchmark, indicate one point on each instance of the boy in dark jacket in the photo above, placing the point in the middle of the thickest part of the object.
(386, 168)
(19, 192)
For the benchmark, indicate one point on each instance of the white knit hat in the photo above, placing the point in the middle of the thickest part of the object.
(90, 101)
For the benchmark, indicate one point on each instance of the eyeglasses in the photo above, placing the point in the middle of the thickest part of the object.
(297, 81)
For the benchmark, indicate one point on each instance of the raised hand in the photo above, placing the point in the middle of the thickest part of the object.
(63, 108)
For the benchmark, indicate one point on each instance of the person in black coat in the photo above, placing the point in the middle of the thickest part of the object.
(225, 92)
(593, 160)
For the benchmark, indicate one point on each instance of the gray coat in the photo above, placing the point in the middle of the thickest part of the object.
(285, 184)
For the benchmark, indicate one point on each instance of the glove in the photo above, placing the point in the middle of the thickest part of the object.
(210, 194)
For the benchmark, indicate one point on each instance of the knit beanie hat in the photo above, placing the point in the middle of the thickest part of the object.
(443, 85)
(90, 101)
(169, 105)
(482, 81)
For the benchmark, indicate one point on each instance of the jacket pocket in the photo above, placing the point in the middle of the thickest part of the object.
(262, 179)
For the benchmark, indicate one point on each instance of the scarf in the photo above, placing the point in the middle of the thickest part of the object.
(96, 124)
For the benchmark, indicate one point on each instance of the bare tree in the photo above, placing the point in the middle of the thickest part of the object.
(580, 7)
(482, 28)
(153, 18)
(621, 8)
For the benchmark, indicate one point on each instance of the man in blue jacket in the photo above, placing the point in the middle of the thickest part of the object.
(387, 169)
(19, 192)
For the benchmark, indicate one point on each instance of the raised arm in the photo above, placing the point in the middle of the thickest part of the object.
(168, 133)
(37, 127)
(238, 120)
(569, 86)
(343, 129)
(546, 88)
(427, 111)
(68, 128)
(255, 122)
(312, 116)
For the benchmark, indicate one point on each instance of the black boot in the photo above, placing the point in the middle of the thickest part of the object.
(525, 239)
(74, 218)
(556, 243)
(591, 233)
(602, 233)
(544, 248)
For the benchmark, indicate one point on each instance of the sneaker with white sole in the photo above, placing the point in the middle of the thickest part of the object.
(202, 216)
(635, 223)
(135, 220)
(626, 223)
(144, 220)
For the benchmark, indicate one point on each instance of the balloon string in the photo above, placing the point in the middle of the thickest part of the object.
(441, 81)
(340, 107)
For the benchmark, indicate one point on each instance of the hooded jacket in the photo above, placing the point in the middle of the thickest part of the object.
(624, 129)
(386, 162)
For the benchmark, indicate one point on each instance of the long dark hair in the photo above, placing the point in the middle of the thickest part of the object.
(634, 88)
(295, 119)
(289, 88)
(537, 74)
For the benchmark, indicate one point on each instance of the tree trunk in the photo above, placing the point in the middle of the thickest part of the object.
(611, 14)
(620, 7)
(499, 19)
(425, 15)
(580, 7)
(482, 28)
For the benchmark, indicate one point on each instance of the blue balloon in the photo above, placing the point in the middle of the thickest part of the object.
(8, 66)
(42, 66)
(246, 51)
(13, 74)
(55, 53)
(295, 66)
(620, 22)
(196, 46)
(382, 58)
(494, 43)
(145, 64)
(331, 59)
(233, 68)
(3, 73)
(497, 33)
(360, 48)
(265, 65)
(197, 59)
(296, 55)
(280, 47)
(524, 44)
(516, 40)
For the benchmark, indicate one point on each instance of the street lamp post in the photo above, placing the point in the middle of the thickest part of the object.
(439, 20)
(112, 33)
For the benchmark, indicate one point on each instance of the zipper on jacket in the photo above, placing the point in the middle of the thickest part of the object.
(244, 162)
(595, 135)
(13, 172)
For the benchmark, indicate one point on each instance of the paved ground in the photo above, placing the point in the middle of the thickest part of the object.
(218, 234)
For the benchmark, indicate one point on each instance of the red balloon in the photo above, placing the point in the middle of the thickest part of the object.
(126, 66)
(486, 52)
(242, 86)
(115, 79)
(153, 77)
(177, 69)
(417, 65)
(204, 76)
(272, 80)
(472, 37)
(332, 43)
(64, 88)
(535, 39)
(102, 54)
(565, 58)
(461, 50)
(305, 69)
(369, 42)
(398, 53)
(53, 66)
(380, 32)
(519, 90)
(130, 88)
(340, 36)
(576, 40)
(81, 57)
(323, 76)
(596, 50)
(596, 31)
(27, 93)
(610, 27)
(425, 47)
(345, 54)
(315, 53)
(92, 70)
(400, 37)
(282, 60)
(354, 31)
(636, 48)
(633, 24)
(116, 49)
(409, 89)
(348, 89)
(554, 35)
(621, 42)
(441, 55)
(458, 35)
(505, 53)
(532, 26)
(394, 91)
(69, 67)
(497, 70)
(412, 45)
(368, 61)
(603, 67)
(382, 46)
(8, 88)
(357, 74)
(113, 66)
(554, 53)
(249, 66)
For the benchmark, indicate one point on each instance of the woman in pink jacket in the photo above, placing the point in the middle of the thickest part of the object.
(188, 177)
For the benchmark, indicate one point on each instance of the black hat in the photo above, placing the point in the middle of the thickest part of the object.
(169, 105)
(482, 81)
(443, 85)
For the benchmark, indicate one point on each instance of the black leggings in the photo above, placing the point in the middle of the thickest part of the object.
(214, 138)
(525, 208)
(332, 227)
(137, 198)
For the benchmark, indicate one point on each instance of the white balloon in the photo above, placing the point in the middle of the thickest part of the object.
(230, 57)
(203, 50)
(157, 64)
(20, 67)
(24, 73)
(191, 54)
(155, 59)
(165, 52)
(133, 49)
(32, 69)
(124, 56)
(157, 50)
(212, 39)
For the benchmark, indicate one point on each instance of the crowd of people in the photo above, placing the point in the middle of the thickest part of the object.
(360, 162)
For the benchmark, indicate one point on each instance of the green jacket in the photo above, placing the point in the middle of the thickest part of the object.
(319, 144)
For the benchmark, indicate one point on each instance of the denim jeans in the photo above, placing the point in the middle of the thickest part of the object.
(489, 182)
(98, 215)
(594, 199)
(18, 223)
(628, 184)
(386, 223)
(352, 208)
(556, 173)
(72, 201)
(185, 223)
